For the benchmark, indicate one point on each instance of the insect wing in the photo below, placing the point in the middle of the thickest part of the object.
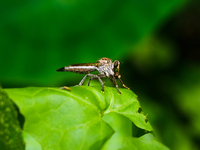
(85, 64)
(82, 68)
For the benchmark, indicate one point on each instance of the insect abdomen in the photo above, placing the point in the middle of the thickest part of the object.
(79, 69)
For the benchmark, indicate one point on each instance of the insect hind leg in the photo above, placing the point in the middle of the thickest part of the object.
(90, 80)
(93, 77)
(83, 80)
(102, 90)
(99, 78)
(90, 75)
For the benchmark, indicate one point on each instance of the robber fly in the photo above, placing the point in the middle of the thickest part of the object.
(104, 66)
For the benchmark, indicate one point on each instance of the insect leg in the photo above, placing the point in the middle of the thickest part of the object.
(102, 90)
(93, 77)
(115, 83)
(84, 79)
(65, 88)
(99, 78)
(90, 80)
(123, 84)
(90, 75)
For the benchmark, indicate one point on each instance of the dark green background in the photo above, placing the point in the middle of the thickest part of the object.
(157, 41)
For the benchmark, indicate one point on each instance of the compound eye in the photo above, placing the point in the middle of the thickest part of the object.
(116, 63)
(116, 66)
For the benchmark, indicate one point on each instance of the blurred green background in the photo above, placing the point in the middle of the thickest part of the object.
(157, 41)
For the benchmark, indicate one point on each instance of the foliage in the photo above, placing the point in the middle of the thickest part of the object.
(157, 41)
(60, 119)
(10, 131)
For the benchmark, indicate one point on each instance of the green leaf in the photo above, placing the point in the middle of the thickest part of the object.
(10, 131)
(142, 143)
(122, 127)
(31, 142)
(60, 119)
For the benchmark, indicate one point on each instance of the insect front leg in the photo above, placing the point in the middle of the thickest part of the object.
(123, 84)
(115, 83)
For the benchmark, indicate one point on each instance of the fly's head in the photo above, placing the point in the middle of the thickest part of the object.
(117, 76)
(116, 65)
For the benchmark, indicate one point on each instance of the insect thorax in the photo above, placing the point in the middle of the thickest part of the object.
(106, 69)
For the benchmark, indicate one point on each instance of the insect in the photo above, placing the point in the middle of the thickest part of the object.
(104, 66)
